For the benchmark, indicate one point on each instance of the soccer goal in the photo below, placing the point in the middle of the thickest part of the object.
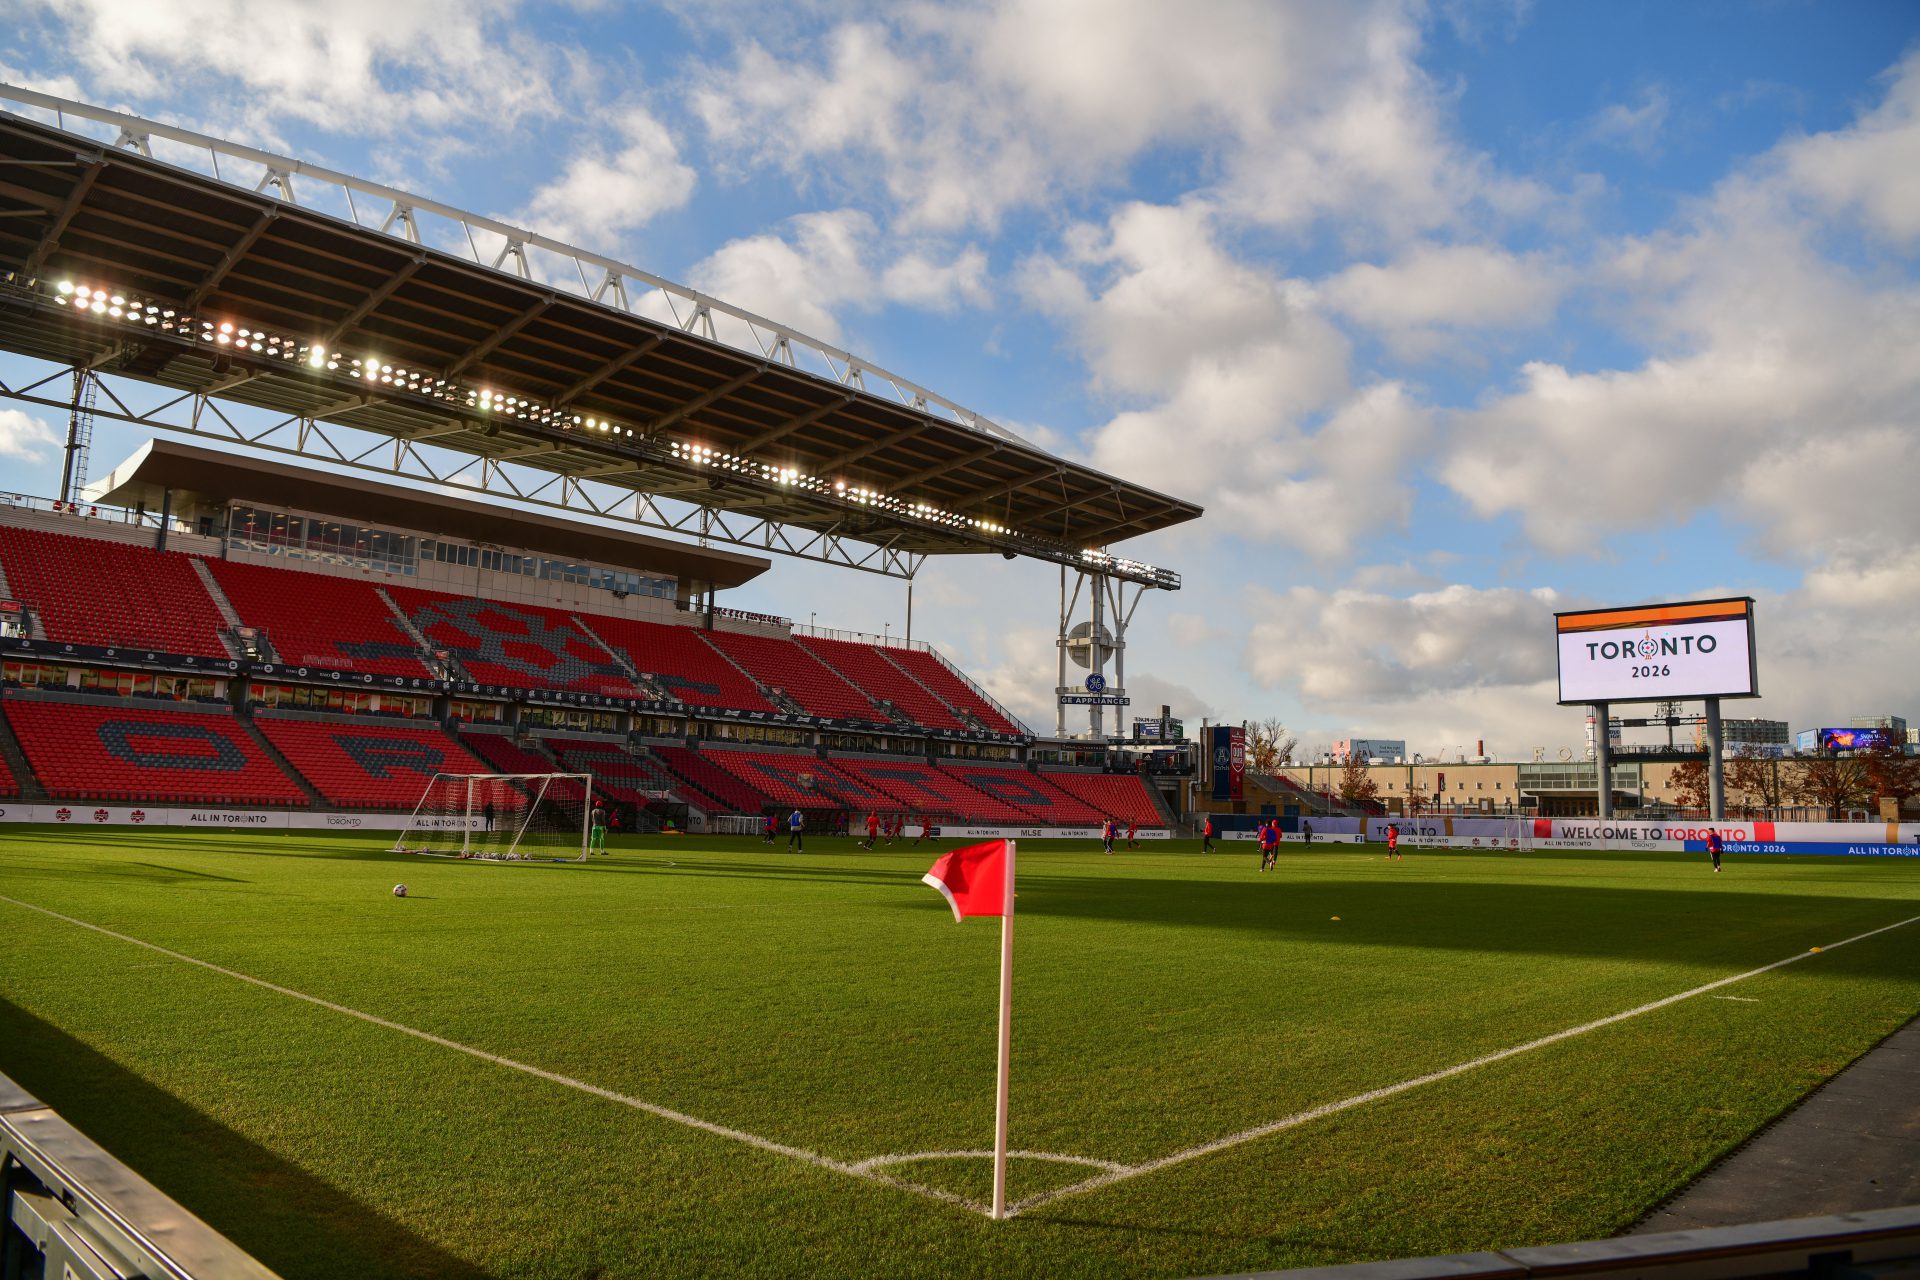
(502, 817)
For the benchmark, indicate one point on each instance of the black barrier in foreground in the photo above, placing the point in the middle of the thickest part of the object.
(1845, 1246)
(73, 1210)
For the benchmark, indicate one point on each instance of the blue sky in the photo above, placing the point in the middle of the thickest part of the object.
(1452, 314)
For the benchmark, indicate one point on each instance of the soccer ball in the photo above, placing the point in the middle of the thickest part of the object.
(399, 891)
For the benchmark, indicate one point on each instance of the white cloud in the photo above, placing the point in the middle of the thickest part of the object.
(1351, 646)
(958, 115)
(1431, 291)
(823, 263)
(1632, 127)
(26, 438)
(347, 65)
(1872, 167)
(1781, 391)
(606, 192)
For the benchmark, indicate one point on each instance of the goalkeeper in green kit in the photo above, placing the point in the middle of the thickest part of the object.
(597, 828)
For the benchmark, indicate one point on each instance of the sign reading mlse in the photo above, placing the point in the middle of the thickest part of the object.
(1702, 649)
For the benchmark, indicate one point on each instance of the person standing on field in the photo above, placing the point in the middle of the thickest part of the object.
(1306, 831)
(796, 825)
(1393, 842)
(1713, 847)
(1206, 836)
(873, 829)
(597, 828)
(486, 812)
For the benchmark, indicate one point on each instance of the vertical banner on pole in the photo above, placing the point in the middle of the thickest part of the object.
(1228, 752)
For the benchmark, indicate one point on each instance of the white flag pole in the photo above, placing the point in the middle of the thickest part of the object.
(1006, 1048)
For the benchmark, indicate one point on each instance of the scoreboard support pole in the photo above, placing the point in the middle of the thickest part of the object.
(1716, 764)
(1603, 758)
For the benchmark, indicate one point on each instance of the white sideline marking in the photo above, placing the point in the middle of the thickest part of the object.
(870, 1169)
(1741, 999)
(1388, 1091)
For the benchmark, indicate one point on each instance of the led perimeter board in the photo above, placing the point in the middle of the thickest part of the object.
(1700, 649)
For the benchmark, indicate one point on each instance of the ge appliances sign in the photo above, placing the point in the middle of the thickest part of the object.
(1701, 649)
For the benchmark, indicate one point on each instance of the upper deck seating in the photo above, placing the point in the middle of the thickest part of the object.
(1119, 795)
(679, 661)
(868, 668)
(728, 793)
(87, 591)
(782, 664)
(929, 670)
(518, 646)
(146, 754)
(1029, 792)
(368, 766)
(318, 620)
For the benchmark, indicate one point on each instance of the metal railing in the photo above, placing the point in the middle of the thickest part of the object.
(82, 1213)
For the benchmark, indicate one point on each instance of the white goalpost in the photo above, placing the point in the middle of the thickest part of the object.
(502, 817)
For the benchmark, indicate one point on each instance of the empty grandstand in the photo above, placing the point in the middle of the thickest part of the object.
(432, 600)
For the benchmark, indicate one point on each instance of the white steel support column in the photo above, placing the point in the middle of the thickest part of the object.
(1097, 656)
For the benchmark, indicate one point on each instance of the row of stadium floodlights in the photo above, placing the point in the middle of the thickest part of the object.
(108, 304)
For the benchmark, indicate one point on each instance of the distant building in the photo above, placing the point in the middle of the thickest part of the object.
(1896, 723)
(1749, 737)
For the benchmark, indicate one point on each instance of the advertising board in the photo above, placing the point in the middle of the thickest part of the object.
(1697, 649)
(1860, 740)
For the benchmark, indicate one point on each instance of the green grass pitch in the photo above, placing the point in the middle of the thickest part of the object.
(827, 1002)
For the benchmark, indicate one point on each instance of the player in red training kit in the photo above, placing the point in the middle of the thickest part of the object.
(1133, 835)
(873, 830)
(1393, 842)
(1206, 836)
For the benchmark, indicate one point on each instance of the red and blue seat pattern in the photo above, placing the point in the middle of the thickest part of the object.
(519, 646)
(370, 766)
(318, 620)
(1122, 795)
(146, 754)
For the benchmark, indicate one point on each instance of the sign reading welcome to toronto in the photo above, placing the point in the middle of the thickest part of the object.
(1700, 649)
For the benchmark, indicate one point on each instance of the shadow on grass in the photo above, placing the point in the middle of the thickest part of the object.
(1713, 923)
(294, 1222)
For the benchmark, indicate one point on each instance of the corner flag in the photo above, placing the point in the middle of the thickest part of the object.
(978, 881)
(973, 880)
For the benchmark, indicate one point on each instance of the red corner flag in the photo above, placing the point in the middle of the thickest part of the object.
(973, 880)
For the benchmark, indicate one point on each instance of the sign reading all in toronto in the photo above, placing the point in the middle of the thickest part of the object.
(1699, 649)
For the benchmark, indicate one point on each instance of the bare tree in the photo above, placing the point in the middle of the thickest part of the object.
(1269, 745)
(1895, 775)
(1757, 779)
(1835, 783)
(1690, 784)
(1417, 798)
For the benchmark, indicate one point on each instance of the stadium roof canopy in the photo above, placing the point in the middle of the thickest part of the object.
(218, 476)
(316, 296)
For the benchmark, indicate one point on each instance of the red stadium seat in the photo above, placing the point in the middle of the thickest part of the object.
(376, 765)
(316, 619)
(782, 664)
(930, 671)
(88, 751)
(88, 591)
(724, 792)
(869, 668)
(681, 662)
(518, 646)
(1119, 795)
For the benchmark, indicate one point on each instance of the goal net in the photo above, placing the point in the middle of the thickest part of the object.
(502, 817)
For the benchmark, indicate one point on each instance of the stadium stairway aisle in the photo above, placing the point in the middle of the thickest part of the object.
(252, 730)
(88, 591)
(17, 780)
